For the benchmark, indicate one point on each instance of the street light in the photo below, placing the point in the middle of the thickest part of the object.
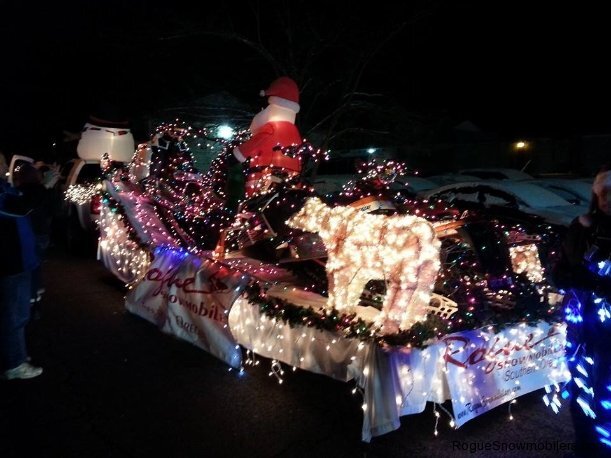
(521, 145)
(225, 132)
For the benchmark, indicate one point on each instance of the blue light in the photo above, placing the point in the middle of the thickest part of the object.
(603, 311)
(586, 407)
(178, 254)
(573, 318)
(580, 359)
(572, 311)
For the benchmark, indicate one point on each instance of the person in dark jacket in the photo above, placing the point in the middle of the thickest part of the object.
(584, 271)
(36, 190)
(17, 260)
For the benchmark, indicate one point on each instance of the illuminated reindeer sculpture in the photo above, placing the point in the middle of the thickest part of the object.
(401, 249)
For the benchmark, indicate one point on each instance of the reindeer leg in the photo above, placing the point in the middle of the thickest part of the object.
(399, 297)
(345, 288)
(355, 289)
(337, 288)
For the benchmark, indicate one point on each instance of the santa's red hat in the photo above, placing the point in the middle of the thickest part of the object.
(284, 92)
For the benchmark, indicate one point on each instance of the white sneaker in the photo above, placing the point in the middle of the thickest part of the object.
(23, 371)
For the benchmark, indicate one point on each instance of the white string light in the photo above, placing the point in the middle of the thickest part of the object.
(276, 370)
(514, 401)
(130, 260)
(525, 258)
(82, 194)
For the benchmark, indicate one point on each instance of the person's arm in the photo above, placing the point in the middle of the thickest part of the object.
(13, 204)
(571, 271)
(251, 147)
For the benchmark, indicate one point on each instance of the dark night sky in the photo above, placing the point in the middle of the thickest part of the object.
(506, 66)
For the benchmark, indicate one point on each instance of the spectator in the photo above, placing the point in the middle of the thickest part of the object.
(18, 249)
(35, 189)
(3, 167)
(585, 271)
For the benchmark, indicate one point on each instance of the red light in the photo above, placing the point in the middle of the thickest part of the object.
(95, 206)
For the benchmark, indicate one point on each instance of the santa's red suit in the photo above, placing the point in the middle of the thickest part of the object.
(271, 128)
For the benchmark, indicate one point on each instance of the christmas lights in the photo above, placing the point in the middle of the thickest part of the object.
(82, 194)
(401, 249)
(525, 259)
(590, 385)
(130, 261)
(484, 273)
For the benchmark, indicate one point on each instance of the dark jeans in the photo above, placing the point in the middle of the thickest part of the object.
(14, 315)
(42, 243)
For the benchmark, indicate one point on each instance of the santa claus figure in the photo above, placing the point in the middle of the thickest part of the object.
(272, 128)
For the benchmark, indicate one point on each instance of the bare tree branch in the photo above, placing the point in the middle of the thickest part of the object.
(358, 130)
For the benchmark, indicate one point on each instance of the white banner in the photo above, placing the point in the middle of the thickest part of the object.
(190, 297)
(485, 370)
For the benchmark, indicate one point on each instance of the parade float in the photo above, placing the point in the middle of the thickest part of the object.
(413, 301)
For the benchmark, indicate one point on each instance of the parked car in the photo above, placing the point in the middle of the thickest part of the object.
(417, 184)
(100, 137)
(333, 174)
(83, 177)
(329, 184)
(16, 161)
(537, 211)
(493, 173)
(575, 191)
(509, 195)
(450, 178)
(411, 185)
(100, 140)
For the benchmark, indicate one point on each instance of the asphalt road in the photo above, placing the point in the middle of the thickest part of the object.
(114, 386)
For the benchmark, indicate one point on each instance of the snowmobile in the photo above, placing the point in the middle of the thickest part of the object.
(483, 261)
